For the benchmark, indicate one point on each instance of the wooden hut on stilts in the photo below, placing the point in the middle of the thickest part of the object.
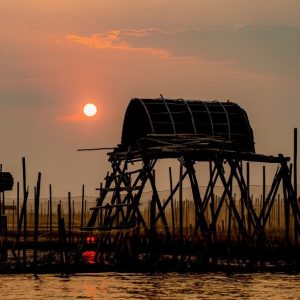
(229, 228)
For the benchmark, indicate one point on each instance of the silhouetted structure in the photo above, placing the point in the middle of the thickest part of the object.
(6, 181)
(136, 225)
(217, 133)
(160, 118)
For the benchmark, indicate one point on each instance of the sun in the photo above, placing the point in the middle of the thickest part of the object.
(90, 110)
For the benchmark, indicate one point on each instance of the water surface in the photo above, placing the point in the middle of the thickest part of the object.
(149, 286)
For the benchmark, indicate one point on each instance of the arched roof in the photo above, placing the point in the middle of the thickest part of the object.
(225, 120)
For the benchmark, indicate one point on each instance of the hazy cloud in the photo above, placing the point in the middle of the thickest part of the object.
(272, 49)
(118, 39)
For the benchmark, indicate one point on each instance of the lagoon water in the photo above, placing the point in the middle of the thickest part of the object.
(151, 286)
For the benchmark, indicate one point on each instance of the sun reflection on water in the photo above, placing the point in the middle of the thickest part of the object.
(157, 286)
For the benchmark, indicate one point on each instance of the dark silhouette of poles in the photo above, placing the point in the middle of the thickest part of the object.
(82, 207)
(50, 216)
(264, 186)
(24, 210)
(101, 209)
(180, 202)
(295, 178)
(153, 212)
(69, 217)
(212, 200)
(248, 198)
(60, 234)
(172, 200)
(36, 219)
(73, 217)
(13, 216)
(295, 161)
(3, 204)
(18, 202)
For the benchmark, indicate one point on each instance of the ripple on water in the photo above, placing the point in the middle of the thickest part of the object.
(145, 286)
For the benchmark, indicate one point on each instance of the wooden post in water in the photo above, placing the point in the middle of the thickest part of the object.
(229, 222)
(13, 216)
(59, 225)
(47, 219)
(180, 202)
(149, 212)
(100, 209)
(248, 198)
(295, 161)
(295, 179)
(25, 196)
(186, 217)
(153, 212)
(3, 204)
(82, 207)
(69, 218)
(279, 211)
(172, 200)
(36, 219)
(73, 214)
(85, 211)
(212, 202)
(18, 202)
(264, 186)
(50, 215)
(242, 202)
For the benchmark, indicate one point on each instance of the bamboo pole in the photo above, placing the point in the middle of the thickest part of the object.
(172, 200)
(50, 216)
(180, 201)
(18, 202)
(100, 209)
(85, 211)
(264, 186)
(3, 203)
(69, 217)
(248, 198)
(59, 225)
(295, 162)
(36, 219)
(82, 207)
(153, 211)
(25, 196)
(295, 179)
(73, 214)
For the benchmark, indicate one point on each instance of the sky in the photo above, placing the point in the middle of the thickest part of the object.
(55, 56)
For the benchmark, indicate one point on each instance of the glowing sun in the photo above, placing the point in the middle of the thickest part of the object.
(90, 110)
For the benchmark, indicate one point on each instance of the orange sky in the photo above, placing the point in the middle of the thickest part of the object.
(57, 55)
